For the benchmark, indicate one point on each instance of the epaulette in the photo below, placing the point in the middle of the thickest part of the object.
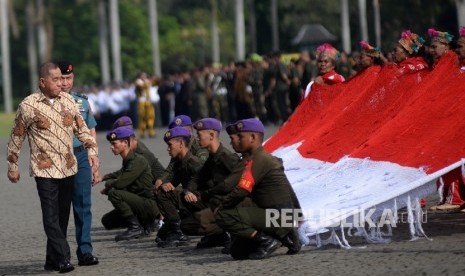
(80, 95)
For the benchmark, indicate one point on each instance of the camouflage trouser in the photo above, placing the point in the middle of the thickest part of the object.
(146, 118)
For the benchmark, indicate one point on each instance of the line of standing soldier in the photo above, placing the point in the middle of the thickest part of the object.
(206, 190)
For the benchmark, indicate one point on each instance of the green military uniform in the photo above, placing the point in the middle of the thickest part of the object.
(183, 172)
(130, 192)
(215, 180)
(195, 150)
(266, 184)
(156, 167)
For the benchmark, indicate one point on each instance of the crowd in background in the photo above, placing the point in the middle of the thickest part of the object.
(263, 87)
(267, 88)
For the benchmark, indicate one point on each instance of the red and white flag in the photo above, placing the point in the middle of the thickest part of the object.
(378, 141)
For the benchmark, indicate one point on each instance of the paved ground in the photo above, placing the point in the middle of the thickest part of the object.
(22, 241)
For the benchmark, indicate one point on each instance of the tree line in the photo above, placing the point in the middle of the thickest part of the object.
(41, 30)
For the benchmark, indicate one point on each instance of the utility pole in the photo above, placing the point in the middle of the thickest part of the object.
(362, 8)
(377, 16)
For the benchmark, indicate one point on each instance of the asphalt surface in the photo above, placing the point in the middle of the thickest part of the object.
(22, 240)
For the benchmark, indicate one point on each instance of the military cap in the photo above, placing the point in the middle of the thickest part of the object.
(66, 67)
(180, 120)
(208, 123)
(177, 131)
(120, 133)
(123, 121)
(231, 129)
(249, 125)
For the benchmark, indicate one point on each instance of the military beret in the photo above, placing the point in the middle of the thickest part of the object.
(180, 120)
(120, 133)
(177, 131)
(250, 125)
(231, 129)
(66, 67)
(123, 121)
(208, 123)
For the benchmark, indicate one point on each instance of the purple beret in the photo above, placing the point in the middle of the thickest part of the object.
(231, 129)
(177, 131)
(66, 67)
(250, 125)
(180, 120)
(123, 121)
(208, 123)
(120, 133)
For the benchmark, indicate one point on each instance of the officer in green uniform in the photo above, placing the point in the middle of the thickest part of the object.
(214, 182)
(130, 188)
(176, 204)
(265, 183)
(112, 219)
(193, 145)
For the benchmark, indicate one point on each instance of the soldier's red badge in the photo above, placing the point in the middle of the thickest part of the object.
(247, 181)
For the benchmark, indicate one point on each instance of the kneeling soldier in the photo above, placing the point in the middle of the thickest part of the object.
(215, 180)
(130, 188)
(176, 204)
(265, 183)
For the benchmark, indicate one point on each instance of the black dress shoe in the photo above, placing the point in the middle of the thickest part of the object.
(51, 267)
(88, 259)
(65, 267)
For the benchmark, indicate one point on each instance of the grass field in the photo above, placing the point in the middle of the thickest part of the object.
(6, 121)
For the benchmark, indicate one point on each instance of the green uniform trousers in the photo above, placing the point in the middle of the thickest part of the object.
(244, 221)
(128, 204)
(172, 201)
(201, 223)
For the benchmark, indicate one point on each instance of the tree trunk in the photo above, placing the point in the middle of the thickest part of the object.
(377, 18)
(115, 41)
(103, 42)
(41, 31)
(215, 32)
(12, 20)
(31, 46)
(6, 66)
(274, 24)
(345, 26)
(460, 12)
(153, 14)
(362, 8)
(240, 30)
(252, 27)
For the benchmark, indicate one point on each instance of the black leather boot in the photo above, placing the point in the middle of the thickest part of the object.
(134, 231)
(175, 236)
(292, 242)
(266, 246)
(214, 240)
(162, 233)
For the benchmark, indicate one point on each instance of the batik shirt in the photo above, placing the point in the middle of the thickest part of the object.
(49, 126)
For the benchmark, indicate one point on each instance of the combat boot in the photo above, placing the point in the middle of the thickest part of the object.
(175, 236)
(292, 242)
(162, 233)
(214, 240)
(134, 231)
(266, 246)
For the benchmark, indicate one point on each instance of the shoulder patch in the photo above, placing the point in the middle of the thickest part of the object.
(81, 95)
